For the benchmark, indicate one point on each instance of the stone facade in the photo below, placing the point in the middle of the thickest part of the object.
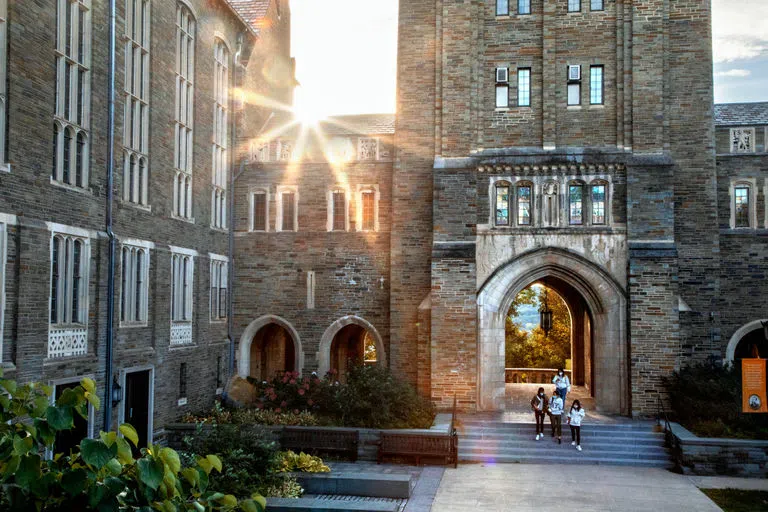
(35, 207)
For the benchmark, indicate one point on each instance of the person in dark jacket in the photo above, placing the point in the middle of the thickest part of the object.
(539, 404)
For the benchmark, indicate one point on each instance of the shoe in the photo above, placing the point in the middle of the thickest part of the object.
(573, 443)
(559, 441)
(538, 437)
(578, 447)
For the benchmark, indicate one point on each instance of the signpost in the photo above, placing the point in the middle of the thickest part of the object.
(753, 385)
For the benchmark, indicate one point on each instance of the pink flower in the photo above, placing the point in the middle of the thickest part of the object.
(295, 411)
(283, 404)
(277, 410)
(301, 391)
(293, 381)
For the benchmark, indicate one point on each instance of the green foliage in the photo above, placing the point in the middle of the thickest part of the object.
(706, 398)
(533, 349)
(733, 500)
(292, 462)
(100, 474)
(220, 416)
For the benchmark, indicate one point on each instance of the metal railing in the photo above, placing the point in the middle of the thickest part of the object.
(532, 375)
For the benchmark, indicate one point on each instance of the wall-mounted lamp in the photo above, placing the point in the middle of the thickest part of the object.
(117, 392)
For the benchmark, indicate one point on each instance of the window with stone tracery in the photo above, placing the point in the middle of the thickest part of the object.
(368, 149)
(742, 206)
(185, 92)
(220, 135)
(742, 140)
(599, 201)
(576, 204)
(502, 204)
(524, 204)
(73, 93)
(285, 151)
(69, 280)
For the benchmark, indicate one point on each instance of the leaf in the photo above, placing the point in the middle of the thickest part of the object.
(129, 433)
(260, 500)
(8, 385)
(198, 506)
(191, 475)
(95, 453)
(254, 505)
(93, 399)
(124, 454)
(171, 458)
(228, 501)
(205, 464)
(88, 384)
(150, 472)
(59, 417)
(114, 467)
(22, 445)
(73, 481)
(109, 438)
(215, 462)
(29, 471)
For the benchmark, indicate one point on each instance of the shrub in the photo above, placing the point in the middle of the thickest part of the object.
(99, 474)
(706, 398)
(267, 417)
(292, 462)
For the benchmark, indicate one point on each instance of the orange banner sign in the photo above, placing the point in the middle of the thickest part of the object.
(753, 385)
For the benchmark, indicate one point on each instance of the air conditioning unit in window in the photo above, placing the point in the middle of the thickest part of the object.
(574, 73)
(502, 75)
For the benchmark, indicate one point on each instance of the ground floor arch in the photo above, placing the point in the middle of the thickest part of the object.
(598, 305)
(344, 342)
(269, 345)
(746, 339)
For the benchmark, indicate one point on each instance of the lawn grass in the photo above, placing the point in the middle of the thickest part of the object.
(732, 500)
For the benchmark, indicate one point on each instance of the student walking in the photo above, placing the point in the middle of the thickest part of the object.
(575, 416)
(556, 417)
(539, 405)
(562, 384)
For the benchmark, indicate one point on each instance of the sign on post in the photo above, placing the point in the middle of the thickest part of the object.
(753, 381)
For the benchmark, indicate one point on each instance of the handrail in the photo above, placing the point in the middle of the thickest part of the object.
(662, 412)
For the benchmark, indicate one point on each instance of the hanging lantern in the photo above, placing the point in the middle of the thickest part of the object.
(545, 315)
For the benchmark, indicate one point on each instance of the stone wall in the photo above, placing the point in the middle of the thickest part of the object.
(718, 456)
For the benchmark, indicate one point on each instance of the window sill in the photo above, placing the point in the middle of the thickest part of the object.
(218, 321)
(133, 325)
(502, 109)
(137, 206)
(73, 188)
(258, 231)
(220, 230)
(190, 220)
(574, 107)
(597, 106)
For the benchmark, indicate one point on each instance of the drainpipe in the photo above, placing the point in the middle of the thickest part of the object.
(110, 199)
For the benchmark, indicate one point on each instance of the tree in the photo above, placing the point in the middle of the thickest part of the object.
(99, 474)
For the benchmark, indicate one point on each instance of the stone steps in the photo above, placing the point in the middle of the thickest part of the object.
(330, 505)
(548, 443)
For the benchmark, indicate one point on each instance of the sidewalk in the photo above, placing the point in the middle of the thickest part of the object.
(729, 482)
(532, 487)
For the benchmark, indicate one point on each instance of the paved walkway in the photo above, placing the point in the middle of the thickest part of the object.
(729, 482)
(530, 488)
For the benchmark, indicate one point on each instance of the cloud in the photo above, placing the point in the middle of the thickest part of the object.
(734, 73)
(739, 29)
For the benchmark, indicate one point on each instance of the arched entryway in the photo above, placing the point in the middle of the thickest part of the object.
(598, 308)
(350, 340)
(746, 340)
(268, 346)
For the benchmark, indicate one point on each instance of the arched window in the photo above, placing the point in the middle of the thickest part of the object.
(576, 203)
(185, 73)
(525, 204)
(599, 203)
(220, 133)
(502, 204)
(136, 113)
(73, 98)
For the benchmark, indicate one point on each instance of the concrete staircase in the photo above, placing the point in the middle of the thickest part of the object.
(628, 444)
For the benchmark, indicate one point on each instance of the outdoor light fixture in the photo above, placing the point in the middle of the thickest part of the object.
(117, 392)
(545, 320)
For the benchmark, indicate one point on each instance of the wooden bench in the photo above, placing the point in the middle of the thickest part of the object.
(438, 446)
(314, 440)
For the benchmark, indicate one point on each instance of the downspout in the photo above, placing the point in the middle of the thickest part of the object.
(110, 199)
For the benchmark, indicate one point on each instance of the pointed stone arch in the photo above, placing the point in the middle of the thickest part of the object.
(324, 351)
(733, 343)
(244, 360)
(605, 298)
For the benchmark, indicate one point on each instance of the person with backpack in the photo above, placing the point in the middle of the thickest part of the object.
(539, 405)
(556, 417)
(562, 384)
(575, 416)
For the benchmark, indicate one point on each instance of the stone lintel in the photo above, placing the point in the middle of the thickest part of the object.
(454, 250)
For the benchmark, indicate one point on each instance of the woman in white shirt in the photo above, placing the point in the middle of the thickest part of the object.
(562, 384)
(575, 416)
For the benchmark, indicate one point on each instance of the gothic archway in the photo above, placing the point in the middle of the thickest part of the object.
(752, 330)
(246, 341)
(605, 300)
(326, 342)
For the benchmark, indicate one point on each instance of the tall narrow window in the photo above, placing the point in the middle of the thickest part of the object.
(574, 94)
(219, 379)
(576, 204)
(502, 205)
(502, 7)
(185, 94)
(182, 279)
(524, 87)
(260, 206)
(182, 383)
(3, 76)
(598, 205)
(742, 207)
(574, 5)
(136, 115)
(339, 211)
(597, 5)
(220, 135)
(311, 289)
(524, 205)
(73, 93)
(69, 280)
(288, 211)
(135, 289)
(502, 87)
(523, 6)
(369, 210)
(596, 85)
(219, 269)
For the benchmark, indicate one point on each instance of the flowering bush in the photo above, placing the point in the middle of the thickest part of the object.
(292, 393)
(292, 462)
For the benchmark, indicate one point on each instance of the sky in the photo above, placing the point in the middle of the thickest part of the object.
(346, 54)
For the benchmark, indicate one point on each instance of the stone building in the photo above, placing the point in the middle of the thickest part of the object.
(570, 143)
(188, 75)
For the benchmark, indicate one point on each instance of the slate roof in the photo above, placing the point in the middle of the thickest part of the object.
(362, 124)
(740, 114)
(252, 11)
